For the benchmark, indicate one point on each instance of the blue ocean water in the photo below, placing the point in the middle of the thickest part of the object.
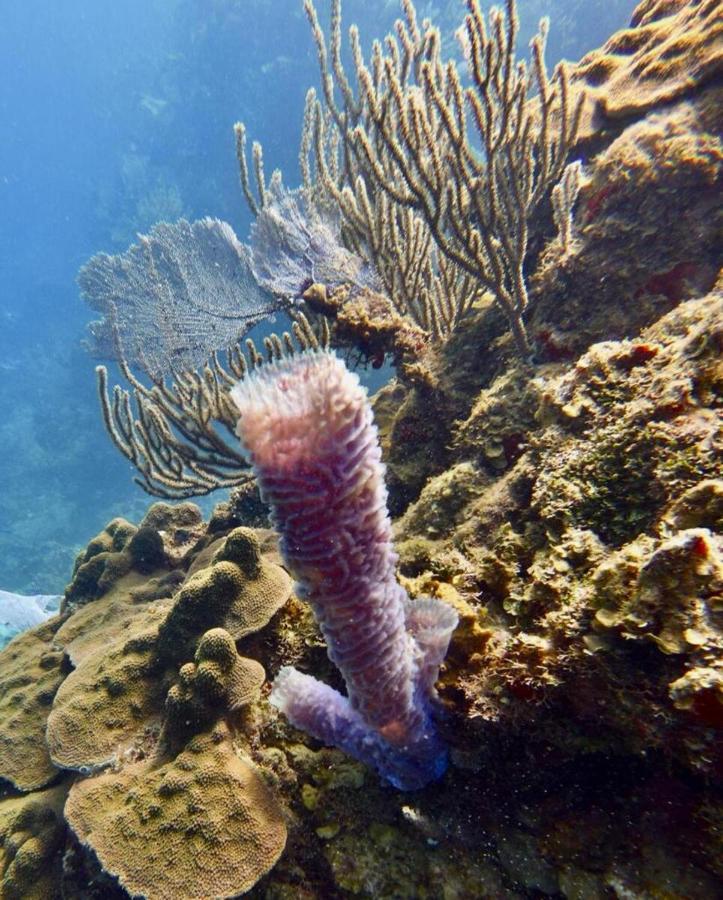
(117, 115)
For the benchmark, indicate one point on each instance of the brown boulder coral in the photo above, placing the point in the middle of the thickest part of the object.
(118, 549)
(32, 837)
(31, 671)
(200, 825)
(110, 697)
(161, 542)
(179, 526)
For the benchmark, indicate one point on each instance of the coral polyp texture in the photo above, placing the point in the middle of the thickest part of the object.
(32, 836)
(143, 822)
(308, 426)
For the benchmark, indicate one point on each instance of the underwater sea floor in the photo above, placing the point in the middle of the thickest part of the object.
(569, 510)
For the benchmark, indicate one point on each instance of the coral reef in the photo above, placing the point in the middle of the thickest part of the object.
(593, 551)
(567, 508)
(413, 129)
(137, 687)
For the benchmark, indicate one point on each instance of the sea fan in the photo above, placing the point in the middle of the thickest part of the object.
(293, 245)
(183, 291)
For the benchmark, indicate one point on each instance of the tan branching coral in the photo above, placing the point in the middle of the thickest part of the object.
(172, 438)
(423, 285)
(472, 162)
(201, 824)
(261, 199)
(563, 197)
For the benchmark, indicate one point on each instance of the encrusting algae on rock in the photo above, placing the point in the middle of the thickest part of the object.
(568, 510)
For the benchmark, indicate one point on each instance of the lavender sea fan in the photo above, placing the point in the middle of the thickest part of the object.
(184, 290)
(293, 245)
(307, 424)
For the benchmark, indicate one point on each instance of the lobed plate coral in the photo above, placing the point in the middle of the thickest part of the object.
(32, 671)
(203, 824)
(570, 511)
(32, 834)
(138, 686)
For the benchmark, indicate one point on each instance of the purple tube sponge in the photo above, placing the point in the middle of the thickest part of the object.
(308, 427)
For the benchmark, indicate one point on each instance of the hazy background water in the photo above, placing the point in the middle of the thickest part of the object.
(116, 114)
